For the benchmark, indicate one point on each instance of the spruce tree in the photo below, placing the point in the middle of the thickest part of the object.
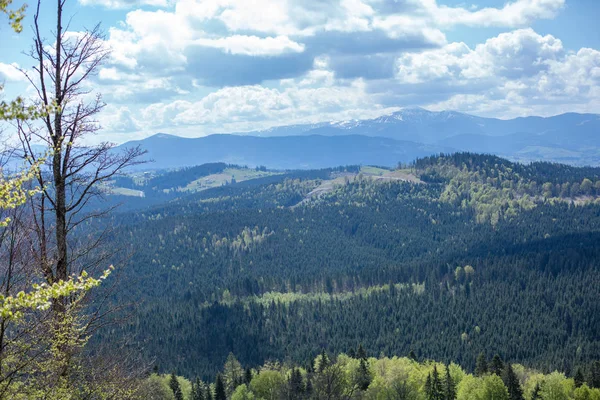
(437, 390)
(364, 377)
(208, 392)
(412, 356)
(481, 367)
(324, 362)
(247, 376)
(361, 353)
(450, 386)
(352, 353)
(428, 388)
(174, 385)
(309, 387)
(594, 380)
(197, 390)
(512, 383)
(497, 366)
(296, 384)
(220, 389)
(578, 378)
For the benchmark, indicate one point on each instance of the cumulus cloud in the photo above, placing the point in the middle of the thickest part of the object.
(205, 66)
(515, 73)
(243, 108)
(10, 73)
(362, 37)
(119, 4)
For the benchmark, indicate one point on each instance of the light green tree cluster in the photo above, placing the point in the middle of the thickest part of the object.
(402, 378)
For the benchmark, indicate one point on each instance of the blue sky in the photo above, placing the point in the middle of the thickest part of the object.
(196, 67)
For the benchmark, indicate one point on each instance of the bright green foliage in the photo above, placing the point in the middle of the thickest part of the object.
(488, 387)
(15, 17)
(42, 295)
(155, 387)
(556, 387)
(585, 393)
(233, 374)
(268, 384)
(242, 393)
(392, 378)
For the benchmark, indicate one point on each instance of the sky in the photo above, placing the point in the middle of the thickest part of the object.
(198, 67)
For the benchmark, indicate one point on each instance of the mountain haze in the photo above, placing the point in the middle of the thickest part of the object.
(400, 137)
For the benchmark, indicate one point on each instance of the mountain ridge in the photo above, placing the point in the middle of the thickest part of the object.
(570, 138)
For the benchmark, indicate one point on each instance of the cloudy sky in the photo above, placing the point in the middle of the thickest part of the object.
(196, 67)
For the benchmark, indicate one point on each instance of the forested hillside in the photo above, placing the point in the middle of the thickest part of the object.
(450, 257)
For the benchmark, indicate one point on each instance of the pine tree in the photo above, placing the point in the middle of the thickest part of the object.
(512, 383)
(364, 378)
(174, 385)
(578, 378)
(324, 362)
(309, 387)
(247, 376)
(361, 353)
(197, 390)
(450, 386)
(481, 367)
(412, 356)
(220, 389)
(428, 388)
(437, 390)
(351, 353)
(496, 366)
(594, 380)
(296, 384)
(208, 392)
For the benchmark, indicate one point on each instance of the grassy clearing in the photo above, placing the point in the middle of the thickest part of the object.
(127, 192)
(226, 177)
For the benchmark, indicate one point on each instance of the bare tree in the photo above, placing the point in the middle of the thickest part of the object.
(74, 172)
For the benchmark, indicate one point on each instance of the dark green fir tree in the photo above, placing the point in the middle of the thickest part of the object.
(481, 367)
(247, 376)
(578, 378)
(594, 380)
(220, 389)
(496, 366)
(449, 386)
(515, 392)
(174, 385)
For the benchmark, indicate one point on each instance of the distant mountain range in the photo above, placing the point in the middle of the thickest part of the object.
(400, 137)
(283, 152)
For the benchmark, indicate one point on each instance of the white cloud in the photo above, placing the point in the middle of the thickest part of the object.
(206, 66)
(517, 73)
(245, 108)
(253, 45)
(513, 14)
(10, 73)
(120, 4)
(513, 54)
